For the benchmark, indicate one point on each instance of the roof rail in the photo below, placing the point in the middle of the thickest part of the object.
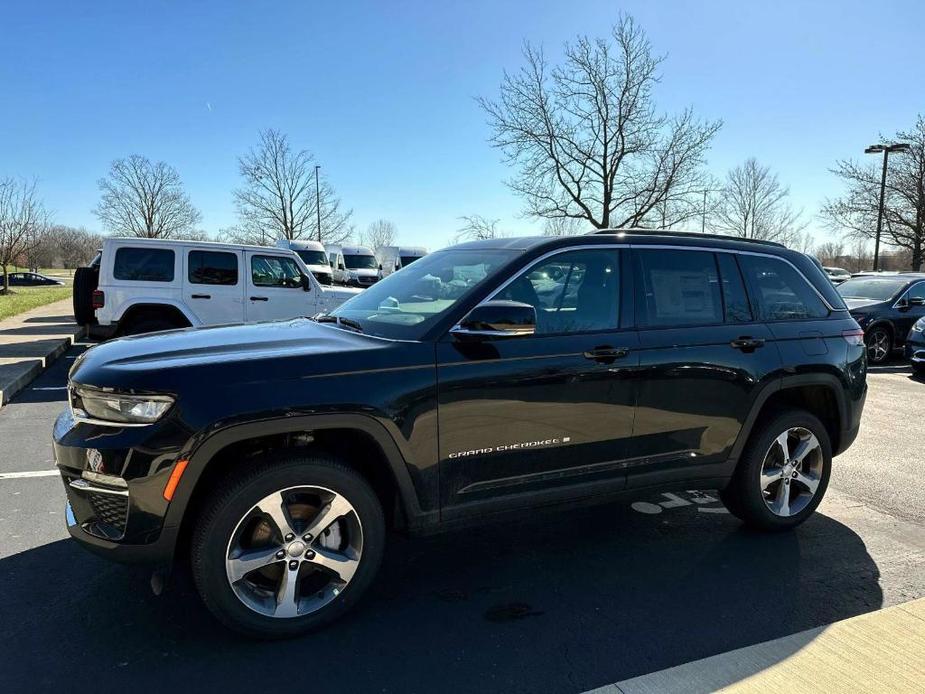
(684, 234)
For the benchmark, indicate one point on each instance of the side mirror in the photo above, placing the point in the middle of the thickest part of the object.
(306, 283)
(496, 319)
(340, 266)
(380, 266)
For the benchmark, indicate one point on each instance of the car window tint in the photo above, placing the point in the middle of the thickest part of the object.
(212, 267)
(275, 271)
(780, 292)
(143, 264)
(678, 288)
(916, 291)
(576, 291)
(735, 299)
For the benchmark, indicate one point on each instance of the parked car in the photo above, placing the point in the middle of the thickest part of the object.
(394, 258)
(277, 456)
(885, 306)
(313, 255)
(147, 285)
(30, 279)
(915, 347)
(837, 274)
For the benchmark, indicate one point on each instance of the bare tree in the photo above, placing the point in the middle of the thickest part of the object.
(904, 200)
(586, 138)
(146, 199)
(830, 252)
(475, 227)
(23, 223)
(278, 199)
(753, 204)
(382, 232)
(563, 226)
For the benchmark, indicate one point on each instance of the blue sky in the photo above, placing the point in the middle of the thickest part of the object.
(382, 92)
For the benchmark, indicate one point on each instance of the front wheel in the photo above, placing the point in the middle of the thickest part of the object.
(783, 473)
(287, 546)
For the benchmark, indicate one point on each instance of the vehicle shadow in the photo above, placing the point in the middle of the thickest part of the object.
(558, 603)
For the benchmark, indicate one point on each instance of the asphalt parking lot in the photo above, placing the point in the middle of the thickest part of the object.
(556, 603)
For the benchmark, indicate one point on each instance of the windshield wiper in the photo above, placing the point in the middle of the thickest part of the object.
(339, 321)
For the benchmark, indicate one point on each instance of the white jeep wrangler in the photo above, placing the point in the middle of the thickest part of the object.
(143, 285)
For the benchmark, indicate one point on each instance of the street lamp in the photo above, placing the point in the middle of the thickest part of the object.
(318, 202)
(886, 149)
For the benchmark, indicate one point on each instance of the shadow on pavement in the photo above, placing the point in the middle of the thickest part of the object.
(560, 603)
(63, 318)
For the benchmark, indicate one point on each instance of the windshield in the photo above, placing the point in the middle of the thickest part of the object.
(879, 289)
(406, 260)
(406, 304)
(313, 257)
(361, 262)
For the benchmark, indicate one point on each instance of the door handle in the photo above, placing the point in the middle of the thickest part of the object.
(747, 344)
(260, 298)
(200, 296)
(605, 355)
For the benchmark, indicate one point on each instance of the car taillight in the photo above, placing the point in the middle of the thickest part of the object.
(99, 299)
(854, 337)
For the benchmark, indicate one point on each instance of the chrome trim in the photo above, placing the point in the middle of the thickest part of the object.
(81, 485)
(100, 478)
(459, 330)
(905, 293)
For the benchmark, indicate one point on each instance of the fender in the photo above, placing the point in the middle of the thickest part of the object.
(154, 302)
(784, 383)
(205, 451)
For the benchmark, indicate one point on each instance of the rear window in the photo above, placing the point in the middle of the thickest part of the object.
(780, 292)
(143, 264)
(679, 288)
(212, 267)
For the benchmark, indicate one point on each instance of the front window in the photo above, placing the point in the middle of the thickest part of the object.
(361, 262)
(875, 289)
(405, 305)
(313, 257)
(275, 271)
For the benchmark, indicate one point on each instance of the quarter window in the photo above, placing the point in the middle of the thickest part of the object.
(780, 291)
(572, 292)
(143, 264)
(212, 267)
(678, 288)
(275, 271)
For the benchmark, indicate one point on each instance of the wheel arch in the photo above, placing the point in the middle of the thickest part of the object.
(385, 467)
(149, 309)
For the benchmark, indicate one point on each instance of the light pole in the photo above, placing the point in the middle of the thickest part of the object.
(318, 202)
(886, 149)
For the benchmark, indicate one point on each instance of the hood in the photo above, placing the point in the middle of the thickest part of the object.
(257, 353)
(364, 272)
(853, 304)
(341, 292)
(319, 269)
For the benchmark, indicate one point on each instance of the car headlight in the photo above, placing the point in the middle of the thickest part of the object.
(120, 408)
(919, 326)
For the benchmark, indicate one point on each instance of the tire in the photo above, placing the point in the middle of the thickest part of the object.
(758, 499)
(86, 280)
(879, 344)
(255, 606)
(148, 325)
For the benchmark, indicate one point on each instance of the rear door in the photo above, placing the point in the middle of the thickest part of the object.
(274, 288)
(703, 356)
(213, 285)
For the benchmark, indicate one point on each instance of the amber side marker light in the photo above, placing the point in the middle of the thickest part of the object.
(174, 480)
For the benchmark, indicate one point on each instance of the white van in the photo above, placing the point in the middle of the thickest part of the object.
(312, 254)
(355, 266)
(394, 258)
(145, 285)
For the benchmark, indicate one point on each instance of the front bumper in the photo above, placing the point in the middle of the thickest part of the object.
(114, 480)
(915, 349)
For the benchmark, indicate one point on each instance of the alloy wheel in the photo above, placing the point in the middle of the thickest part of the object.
(294, 551)
(791, 472)
(878, 346)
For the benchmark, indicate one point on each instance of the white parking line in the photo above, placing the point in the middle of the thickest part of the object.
(28, 473)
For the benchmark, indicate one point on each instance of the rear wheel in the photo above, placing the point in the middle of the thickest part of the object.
(783, 473)
(879, 345)
(288, 546)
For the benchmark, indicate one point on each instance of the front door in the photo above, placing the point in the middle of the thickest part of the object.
(908, 310)
(274, 288)
(703, 357)
(213, 286)
(547, 415)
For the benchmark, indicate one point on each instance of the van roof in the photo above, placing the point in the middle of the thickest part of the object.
(185, 243)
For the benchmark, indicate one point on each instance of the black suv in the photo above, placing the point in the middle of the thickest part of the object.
(886, 306)
(488, 378)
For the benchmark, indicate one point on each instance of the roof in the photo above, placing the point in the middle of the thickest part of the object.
(136, 241)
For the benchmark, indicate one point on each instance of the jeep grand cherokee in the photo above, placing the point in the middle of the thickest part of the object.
(485, 379)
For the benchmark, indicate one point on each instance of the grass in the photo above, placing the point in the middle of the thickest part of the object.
(22, 299)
